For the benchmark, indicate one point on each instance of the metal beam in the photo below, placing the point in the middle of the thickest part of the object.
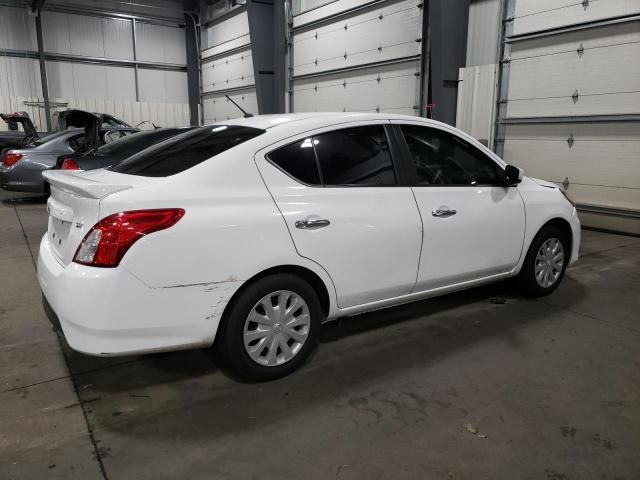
(357, 67)
(335, 16)
(101, 13)
(617, 212)
(93, 60)
(43, 72)
(573, 28)
(135, 58)
(227, 91)
(449, 24)
(504, 62)
(193, 68)
(36, 5)
(424, 64)
(629, 117)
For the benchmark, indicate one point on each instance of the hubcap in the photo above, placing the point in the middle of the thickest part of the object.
(549, 262)
(276, 328)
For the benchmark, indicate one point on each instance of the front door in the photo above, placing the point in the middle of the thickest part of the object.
(339, 193)
(473, 224)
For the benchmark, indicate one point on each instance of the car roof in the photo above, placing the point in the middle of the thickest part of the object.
(328, 118)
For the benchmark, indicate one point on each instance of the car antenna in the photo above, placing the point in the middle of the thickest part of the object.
(246, 114)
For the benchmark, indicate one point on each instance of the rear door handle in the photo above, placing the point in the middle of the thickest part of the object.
(442, 212)
(312, 224)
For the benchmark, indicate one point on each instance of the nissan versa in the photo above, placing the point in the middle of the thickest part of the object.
(247, 235)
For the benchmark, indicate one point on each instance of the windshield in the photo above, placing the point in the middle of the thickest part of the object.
(127, 146)
(184, 151)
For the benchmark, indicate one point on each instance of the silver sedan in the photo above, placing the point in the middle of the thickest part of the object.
(21, 168)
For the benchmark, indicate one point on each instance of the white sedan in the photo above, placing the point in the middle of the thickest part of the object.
(249, 234)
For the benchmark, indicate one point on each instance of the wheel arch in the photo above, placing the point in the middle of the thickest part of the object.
(311, 277)
(563, 225)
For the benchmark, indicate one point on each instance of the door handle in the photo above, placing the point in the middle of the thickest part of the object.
(312, 224)
(441, 212)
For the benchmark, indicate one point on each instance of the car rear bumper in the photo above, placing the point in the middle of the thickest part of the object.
(17, 180)
(108, 311)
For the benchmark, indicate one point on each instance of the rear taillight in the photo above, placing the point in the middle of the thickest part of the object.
(69, 164)
(108, 241)
(11, 158)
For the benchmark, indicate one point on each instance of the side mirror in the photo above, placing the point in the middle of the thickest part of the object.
(512, 175)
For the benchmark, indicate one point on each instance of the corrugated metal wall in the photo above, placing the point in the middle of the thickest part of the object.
(161, 96)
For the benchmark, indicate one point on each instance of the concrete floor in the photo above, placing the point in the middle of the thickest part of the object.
(551, 388)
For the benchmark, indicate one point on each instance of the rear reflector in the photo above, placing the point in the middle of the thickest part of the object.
(69, 164)
(108, 241)
(11, 158)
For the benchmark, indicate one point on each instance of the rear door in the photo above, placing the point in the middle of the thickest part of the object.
(348, 209)
(473, 224)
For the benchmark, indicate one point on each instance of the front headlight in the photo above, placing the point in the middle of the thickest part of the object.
(566, 195)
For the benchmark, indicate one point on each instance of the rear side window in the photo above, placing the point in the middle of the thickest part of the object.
(299, 161)
(356, 156)
(184, 151)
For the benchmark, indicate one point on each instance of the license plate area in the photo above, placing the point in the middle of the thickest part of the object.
(58, 235)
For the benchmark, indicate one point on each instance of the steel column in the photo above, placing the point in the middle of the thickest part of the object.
(43, 71)
(135, 58)
(193, 68)
(508, 11)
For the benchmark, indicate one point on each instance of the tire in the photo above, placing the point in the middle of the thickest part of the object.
(548, 278)
(270, 358)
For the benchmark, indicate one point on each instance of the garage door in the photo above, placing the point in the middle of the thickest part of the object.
(357, 56)
(573, 103)
(227, 69)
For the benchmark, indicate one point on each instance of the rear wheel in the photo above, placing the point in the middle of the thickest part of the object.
(270, 328)
(545, 263)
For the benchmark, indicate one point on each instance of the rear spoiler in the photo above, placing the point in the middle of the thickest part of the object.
(79, 185)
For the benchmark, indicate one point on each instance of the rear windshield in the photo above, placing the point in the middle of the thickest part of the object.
(184, 151)
(138, 141)
(48, 138)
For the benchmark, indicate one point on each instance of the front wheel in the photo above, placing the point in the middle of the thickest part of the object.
(271, 327)
(545, 263)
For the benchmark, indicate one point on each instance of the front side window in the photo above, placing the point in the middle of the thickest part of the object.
(355, 156)
(440, 158)
(182, 152)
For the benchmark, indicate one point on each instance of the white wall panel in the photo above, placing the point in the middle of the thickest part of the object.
(229, 33)
(55, 32)
(87, 36)
(228, 72)
(19, 77)
(606, 75)
(157, 43)
(217, 107)
(389, 88)
(330, 8)
(77, 80)
(17, 29)
(535, 15)
(477, 100)
(483, 35)
(162, 86)
(386, 32)
(118, 38)
(602, 164)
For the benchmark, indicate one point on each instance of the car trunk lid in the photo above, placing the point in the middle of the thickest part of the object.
(74, 205)
(90, 122)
